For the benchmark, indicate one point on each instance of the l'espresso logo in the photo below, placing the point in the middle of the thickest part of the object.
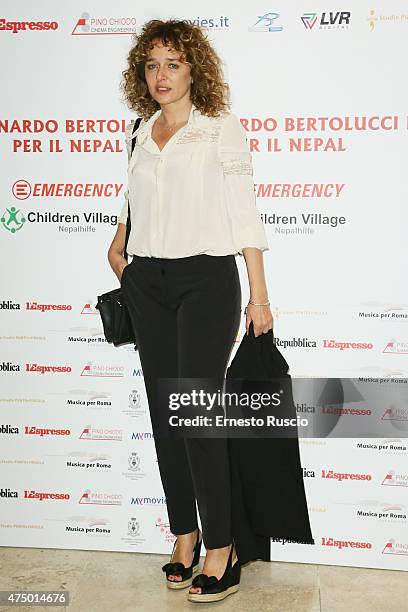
(330, 474)
(45, 369)
(40, 496)
(23, 26)
(41, 431)
(332, 344)
(344, 543)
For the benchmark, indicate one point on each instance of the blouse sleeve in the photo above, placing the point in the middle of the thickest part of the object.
(239, 190)
(124, 212)
(128, 139)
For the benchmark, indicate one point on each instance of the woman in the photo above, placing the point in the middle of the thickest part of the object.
(193, 208)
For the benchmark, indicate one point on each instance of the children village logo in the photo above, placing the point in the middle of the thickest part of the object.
(12, 219)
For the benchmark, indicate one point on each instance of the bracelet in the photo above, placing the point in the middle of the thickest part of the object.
(254, 304)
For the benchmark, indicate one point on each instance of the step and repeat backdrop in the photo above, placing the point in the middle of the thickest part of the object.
(322, 93)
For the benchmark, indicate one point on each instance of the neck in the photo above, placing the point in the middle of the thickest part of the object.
(176, 112)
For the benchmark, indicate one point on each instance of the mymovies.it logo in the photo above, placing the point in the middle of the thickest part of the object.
(23, 26)
(339, 20)
(148, 501)
(395, 547)
(96, 498)
(395, 479)
(340, 544)
(99, 25)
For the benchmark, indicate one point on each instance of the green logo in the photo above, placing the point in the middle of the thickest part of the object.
(14, 221)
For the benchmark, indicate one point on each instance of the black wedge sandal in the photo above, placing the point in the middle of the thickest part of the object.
(213, 589)
(186, 573)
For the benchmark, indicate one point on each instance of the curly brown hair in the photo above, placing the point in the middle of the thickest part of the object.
(209, 93)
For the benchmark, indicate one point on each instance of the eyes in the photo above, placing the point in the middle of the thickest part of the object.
(149, 66)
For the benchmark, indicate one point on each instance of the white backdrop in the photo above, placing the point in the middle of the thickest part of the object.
(324, 98)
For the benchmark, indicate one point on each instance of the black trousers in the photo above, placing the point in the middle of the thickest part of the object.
(186, 314)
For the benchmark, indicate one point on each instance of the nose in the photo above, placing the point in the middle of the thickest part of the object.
(161, 73)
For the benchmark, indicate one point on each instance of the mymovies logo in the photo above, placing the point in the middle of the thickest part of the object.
(22, 26)
(148, 501)
(345, 543)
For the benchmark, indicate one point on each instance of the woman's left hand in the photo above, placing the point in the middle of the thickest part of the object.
(261, 317)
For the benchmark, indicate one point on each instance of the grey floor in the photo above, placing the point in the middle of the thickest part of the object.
(122, 582)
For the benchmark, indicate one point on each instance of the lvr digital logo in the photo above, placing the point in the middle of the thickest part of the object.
(12, 219)
(265, 23)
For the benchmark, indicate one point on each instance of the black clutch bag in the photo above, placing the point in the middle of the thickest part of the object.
(116, 322)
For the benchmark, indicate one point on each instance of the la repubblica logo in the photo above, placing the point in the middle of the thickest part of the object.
(12, 219)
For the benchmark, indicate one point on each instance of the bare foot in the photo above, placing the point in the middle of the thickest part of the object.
(184, 551)
(215, 563)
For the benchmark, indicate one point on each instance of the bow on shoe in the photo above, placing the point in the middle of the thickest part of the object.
(173, 568)
(202, 580)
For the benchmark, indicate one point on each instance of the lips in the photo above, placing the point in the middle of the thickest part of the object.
(163, 89)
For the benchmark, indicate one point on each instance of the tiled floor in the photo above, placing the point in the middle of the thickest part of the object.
(124, 582)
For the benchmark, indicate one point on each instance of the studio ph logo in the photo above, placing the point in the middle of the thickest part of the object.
(266, 23)
(12, 219)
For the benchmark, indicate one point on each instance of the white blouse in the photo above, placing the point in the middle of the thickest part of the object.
(195, 196)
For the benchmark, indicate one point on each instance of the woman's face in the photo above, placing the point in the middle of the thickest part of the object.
(167, 78)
